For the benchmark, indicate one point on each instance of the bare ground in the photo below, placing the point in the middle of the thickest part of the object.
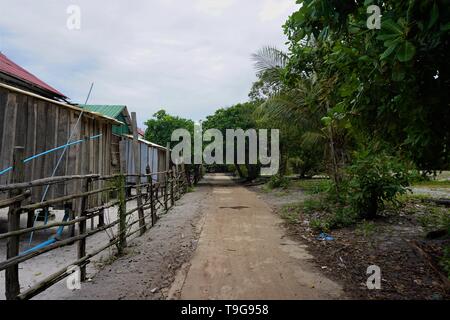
(243, 253)
(149, 265)
(146, 268)
(405, 274)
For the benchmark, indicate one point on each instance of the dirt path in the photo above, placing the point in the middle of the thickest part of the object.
(150, 264)
(243, 254)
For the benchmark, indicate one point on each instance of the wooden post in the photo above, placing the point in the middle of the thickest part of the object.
(172, 198)
(69, 211)
(121, 194)
(12, 285)
(186, 178)
(166, 190)
(167, 178)
(101, 218)
(177, 183)
(81, 247)
(151, 194)
(137, 169)
(152, 202)
(30, 219)
(148, 172)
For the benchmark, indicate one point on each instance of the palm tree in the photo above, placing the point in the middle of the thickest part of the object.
(300, 107)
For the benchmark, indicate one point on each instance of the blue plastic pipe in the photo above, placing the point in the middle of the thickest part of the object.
(50, 151)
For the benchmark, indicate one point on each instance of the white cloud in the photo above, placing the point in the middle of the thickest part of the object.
(145, 54)
(213, 7)
(274, 9)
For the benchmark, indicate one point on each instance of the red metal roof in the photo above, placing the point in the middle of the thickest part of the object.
(12, 69)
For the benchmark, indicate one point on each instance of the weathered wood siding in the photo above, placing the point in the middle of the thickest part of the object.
(40, 125)
(149, 155)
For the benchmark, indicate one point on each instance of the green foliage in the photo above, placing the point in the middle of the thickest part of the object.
(290, 214)
(390, 85)
(278, 181)
(445, 261)
(159, 130)
(432, 183)
(313, 186)
(320, 225)
(239, 116)
(435, 219)
(366, 228)
(372, 179)
(344, 216)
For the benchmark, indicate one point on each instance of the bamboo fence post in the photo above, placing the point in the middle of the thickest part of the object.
(152, 202)
(120, 184)
(30, 218)
(166, 190)
(167, 177)
(186, 178)
(148, 171)
(69, 211)
(12, 285)
(172, 198)
(137, 169)
(174, 175)
(101, 218)
(81, 247)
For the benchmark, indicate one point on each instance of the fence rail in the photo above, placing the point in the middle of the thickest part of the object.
(153, 198)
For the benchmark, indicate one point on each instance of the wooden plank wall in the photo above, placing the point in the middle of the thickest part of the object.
(148, 155)
(39, 125)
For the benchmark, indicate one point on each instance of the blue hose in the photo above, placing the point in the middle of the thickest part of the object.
(50, 151)
(50, 241)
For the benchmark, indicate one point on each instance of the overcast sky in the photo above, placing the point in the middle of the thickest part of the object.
(190, 57)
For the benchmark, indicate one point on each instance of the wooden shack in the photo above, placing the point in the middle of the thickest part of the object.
(39, 118)
(151, 154)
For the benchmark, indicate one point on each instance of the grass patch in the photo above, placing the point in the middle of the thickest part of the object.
(323, 215)
(436, 218)
(291, 212)
(366, 229)
(433, 184)
(278, 182)
(312, 186)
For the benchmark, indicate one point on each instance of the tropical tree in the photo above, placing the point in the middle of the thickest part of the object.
(160, 128)
(239, 116)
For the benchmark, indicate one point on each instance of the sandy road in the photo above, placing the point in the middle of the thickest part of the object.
(242, 253)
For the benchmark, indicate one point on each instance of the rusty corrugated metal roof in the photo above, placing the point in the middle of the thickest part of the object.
(7, 66)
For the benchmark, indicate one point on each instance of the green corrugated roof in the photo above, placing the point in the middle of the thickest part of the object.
(112, 111)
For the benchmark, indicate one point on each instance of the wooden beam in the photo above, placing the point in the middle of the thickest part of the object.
(12, 289)
(137, 169)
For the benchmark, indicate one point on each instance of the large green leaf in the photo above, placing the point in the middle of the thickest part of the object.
(388, 51)
(406, 51)
(434, 15)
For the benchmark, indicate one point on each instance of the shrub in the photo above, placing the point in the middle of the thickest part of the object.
(343, 217)
(372, 179)
(278, 181)
(320, 225)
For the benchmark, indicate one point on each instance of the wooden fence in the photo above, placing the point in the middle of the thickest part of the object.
(152, 199)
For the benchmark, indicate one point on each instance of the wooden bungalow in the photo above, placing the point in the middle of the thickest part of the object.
(39, 118)
(152, 155)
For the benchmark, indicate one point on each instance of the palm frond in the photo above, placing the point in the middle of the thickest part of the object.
(269, 58)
